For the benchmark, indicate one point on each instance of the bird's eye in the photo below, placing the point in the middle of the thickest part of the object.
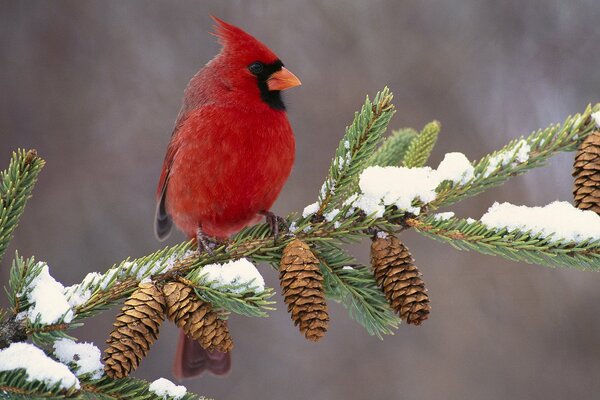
(256, 68)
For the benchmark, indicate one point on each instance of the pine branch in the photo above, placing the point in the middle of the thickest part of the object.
(420, 148)
(496, 168)
(392, 149)
(123, 389)
(515, 245)
(240, 299)
(15, 384)
(353, 285)
(356, 148)
(16, 185)
(336, 221)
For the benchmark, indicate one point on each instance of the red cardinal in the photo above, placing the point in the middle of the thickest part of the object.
(231, 151)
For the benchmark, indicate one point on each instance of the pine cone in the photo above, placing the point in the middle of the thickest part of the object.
(196, 317)
(135, 330)
(586, 170)
(400, 280)
(302, 287)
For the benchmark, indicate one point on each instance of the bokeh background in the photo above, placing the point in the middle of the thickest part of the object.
(95, 87)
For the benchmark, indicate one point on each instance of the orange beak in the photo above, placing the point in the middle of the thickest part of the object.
(282, 80)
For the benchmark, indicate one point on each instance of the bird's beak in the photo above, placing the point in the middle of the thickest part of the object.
(282, 80)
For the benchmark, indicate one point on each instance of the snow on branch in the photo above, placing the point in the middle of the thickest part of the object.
(556, 235)
(365, 195)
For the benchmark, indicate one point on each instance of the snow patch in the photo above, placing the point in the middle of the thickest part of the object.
(455, 167)
(330, 216)
(559, 221)
(310, 209)
(161, 266)
(37, 365)
(48, 300)
(85, 355)
(382, 235)
(519, 153)
(167, 389)
(443, 216)
(241, 273)
(596, 118)
(401, 186)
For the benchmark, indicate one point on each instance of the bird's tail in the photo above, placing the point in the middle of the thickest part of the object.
(191, 360)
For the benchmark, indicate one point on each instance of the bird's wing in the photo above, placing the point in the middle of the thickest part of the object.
(163, 223)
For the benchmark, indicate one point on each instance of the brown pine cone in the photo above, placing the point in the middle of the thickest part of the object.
(302, 289)
(399, 279)
(135, 330)
(196, 317)
(586, 171)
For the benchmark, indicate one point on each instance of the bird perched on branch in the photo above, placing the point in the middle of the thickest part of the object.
(231, 151)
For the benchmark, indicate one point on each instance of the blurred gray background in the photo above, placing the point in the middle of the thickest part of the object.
(95, 86)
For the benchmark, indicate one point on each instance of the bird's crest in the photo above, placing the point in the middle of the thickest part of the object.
(235, 40)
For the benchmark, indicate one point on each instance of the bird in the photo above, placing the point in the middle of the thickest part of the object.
(231, 151)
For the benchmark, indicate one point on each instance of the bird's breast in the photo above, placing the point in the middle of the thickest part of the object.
(228, 169)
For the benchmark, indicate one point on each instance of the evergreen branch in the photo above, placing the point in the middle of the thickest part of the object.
(356, 148)
(22, 273)
(16, 185)
(420, 148)
(124, 389)
(393, 148)
(514, 245)
(240, 299)
(519, 156)
(353, 285)
(14, 384)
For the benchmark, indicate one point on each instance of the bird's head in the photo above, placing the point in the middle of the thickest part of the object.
(251, 67)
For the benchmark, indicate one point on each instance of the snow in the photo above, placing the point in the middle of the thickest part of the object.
(241, 273)
(596, 118)
(48, 300)
(85, 355)
(346, 145)
(382, 235)
(37, 365)
(160, 266)
(167, 389)
(293, 227)
(519, 153)
(455, 167)
(347, 267)
(330, 216)
(77, 296)
(559, 221)
(471, 220)
(401, 186)
(310, 209)
(443, 216)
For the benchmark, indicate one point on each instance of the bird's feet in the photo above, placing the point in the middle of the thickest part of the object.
(206, 244)
(275, 222)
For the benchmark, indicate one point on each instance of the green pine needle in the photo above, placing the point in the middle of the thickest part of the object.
(515, 245)
(392, 150)
(420, 147)
(16, 185)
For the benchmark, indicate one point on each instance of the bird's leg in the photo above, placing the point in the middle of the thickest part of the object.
(274, 222)
(205, 243)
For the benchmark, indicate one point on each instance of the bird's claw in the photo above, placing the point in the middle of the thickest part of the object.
(275, 222)
(205, 243)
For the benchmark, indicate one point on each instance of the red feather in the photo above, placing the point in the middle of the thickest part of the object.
(231, 151)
